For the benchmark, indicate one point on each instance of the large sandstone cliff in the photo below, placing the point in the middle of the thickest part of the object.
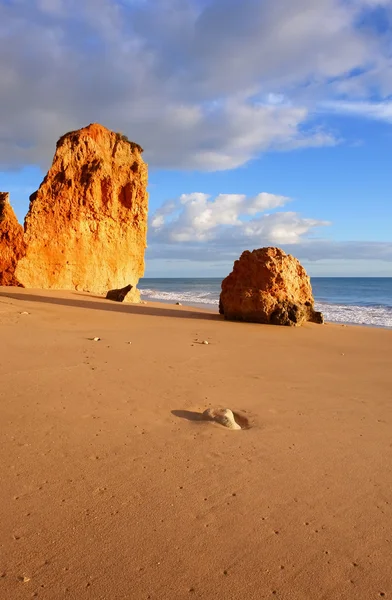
(86, 226)
(268, 286)
(12, 246)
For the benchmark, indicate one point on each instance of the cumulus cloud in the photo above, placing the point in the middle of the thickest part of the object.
(228, 221)
(200, 229)
(200, 84)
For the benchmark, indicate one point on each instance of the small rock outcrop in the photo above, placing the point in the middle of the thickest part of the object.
(118, 295)
(223, 416)
(12, 246)
(86, 226)
(268, 286)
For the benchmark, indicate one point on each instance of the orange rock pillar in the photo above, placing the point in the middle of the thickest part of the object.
(12, 246)
(86, 226)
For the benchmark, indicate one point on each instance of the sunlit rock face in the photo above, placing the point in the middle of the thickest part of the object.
(12, 246)
(268, 286)
(87, 223)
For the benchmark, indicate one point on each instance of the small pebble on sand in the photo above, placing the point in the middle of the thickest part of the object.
(223, 416)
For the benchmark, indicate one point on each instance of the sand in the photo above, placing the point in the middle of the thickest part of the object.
(112, 488)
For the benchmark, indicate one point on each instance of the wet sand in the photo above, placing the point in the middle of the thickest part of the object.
(113, 488)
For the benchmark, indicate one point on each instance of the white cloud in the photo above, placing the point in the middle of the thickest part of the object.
(50, 6)
(223, 136)
(231, 220)
(275, 98)
(231, 223)
(372, 3)
(181, 77)
(381, 111)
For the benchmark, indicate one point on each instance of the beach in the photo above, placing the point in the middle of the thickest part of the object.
(113, 489)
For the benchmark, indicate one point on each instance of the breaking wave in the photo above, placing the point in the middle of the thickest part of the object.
(375, 316)
(190, 297)
(204, 292)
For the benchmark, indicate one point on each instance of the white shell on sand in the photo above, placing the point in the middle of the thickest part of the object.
(224, 416)
(96, 339)
(205, 342)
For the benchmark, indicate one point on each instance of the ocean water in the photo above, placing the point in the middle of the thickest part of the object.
(350, 300)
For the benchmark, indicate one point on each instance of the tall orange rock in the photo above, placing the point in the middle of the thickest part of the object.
(12, 246)
(86, 226)
(268, 286)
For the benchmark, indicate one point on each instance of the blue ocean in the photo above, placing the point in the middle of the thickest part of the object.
(350, 300)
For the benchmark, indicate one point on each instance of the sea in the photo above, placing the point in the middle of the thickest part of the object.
(348, 300)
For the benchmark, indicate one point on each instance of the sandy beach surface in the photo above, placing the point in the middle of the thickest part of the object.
(112, 488)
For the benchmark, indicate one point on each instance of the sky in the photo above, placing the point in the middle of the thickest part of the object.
(263, 122)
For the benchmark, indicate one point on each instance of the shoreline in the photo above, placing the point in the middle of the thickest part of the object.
(206, 307)
(354, 301)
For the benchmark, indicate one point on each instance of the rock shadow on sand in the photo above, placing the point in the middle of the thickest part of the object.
(189, 415)
(103, 304)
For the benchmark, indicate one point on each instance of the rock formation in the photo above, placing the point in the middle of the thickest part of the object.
(118, 295)
(268, 286)
(12, 246)
(86, 225)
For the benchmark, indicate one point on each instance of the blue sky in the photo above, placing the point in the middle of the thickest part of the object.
(264, 122)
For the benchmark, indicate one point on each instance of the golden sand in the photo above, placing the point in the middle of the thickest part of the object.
(113, 488)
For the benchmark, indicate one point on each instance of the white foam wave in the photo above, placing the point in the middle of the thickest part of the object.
(376, 316)
(186, 297)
